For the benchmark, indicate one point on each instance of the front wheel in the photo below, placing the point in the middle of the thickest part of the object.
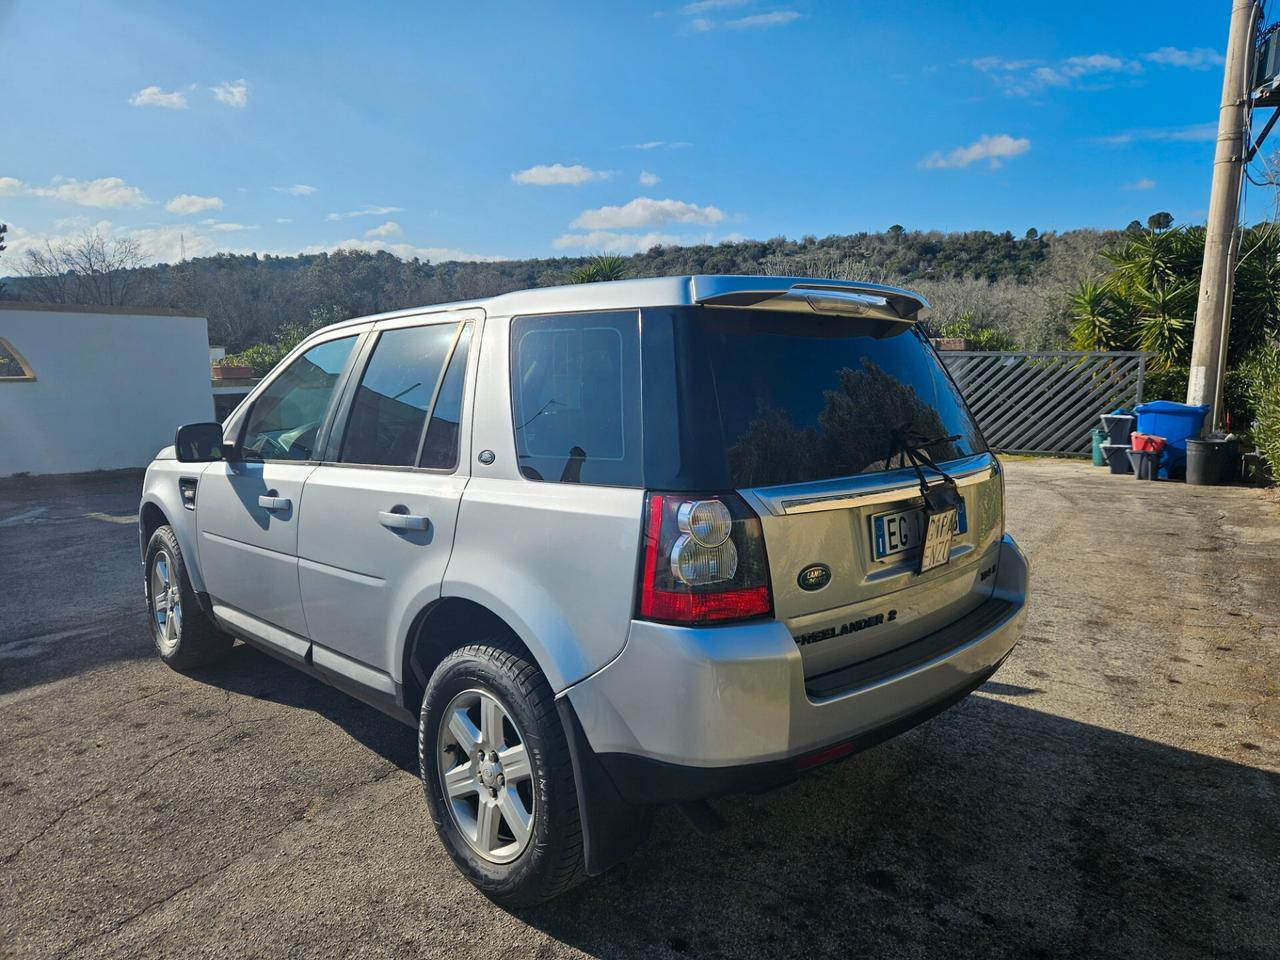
(184, 635)
(497, 774)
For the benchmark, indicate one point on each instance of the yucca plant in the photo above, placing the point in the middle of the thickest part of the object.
(608, 266)
(1164, 317)
(1255, 308)
(1095, 316)
(1148, 260)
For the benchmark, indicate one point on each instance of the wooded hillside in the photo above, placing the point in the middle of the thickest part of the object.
(1016, 285)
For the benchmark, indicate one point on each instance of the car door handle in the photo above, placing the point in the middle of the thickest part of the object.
(402, 521)
(275, 503)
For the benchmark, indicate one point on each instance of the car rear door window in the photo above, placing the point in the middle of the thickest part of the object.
(389, 411)
(576, 397)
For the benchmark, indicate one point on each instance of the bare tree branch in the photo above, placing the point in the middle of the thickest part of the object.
(91, 269)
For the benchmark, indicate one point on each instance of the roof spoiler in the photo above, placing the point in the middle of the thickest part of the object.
(799, 294)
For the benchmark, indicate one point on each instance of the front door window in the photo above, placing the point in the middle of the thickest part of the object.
(287, 415)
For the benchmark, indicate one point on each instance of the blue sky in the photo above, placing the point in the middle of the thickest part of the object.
(493, 129)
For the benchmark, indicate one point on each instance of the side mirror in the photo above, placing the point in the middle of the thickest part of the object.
(199, 442)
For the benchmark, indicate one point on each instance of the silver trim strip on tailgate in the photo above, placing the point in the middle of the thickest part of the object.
(868, 489)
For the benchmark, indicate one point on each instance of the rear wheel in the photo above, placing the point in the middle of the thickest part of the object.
(184, 635)
(497, 775)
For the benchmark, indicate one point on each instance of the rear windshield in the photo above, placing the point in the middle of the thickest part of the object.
(701, 398)
(774, 398)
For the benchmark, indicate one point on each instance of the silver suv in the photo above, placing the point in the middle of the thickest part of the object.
(606, 547)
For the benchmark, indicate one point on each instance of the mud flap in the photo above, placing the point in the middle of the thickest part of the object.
(612, 828)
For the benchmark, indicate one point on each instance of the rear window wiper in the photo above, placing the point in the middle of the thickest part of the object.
(913, 450)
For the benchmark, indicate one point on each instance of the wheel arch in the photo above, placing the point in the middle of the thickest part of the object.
(161, 505)
(441, 627)
(151, 517)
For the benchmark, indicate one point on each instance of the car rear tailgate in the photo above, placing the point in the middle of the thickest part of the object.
(869, 606)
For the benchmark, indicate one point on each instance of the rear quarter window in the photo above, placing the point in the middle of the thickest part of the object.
(576, 397)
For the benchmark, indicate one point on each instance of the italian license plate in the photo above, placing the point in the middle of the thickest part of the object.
(904, 531)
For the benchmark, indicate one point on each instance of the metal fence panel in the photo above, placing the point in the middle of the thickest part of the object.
(1045, 402)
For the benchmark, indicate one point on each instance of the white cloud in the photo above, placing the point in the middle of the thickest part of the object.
(187, 203)
(284, 219)
(994, 149)
(1098, 63)
(611, 242)
(702, 6)
(988, 64)
(104, 192)
(1142, 183)
(557, 174)
(221, 226)
(646, 212)
(364, 212)
(777, 18)
(1199, 58)
(157, 244)
(1196, 132)
(166, 244)
(155, 97)
(297, 190)
(1024, 76)
(755, 21)
(659, 144)
(649, 179)
(388, 229)
(234, 93)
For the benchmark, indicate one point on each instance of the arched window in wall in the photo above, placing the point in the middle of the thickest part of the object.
(13, 366)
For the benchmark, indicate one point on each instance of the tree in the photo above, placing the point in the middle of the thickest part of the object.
(4, 228)
(1148, 300)
(1160, 221)
(92, 269)
(607, 266)
(1032, 234)
(897, 230)
(1134, 227)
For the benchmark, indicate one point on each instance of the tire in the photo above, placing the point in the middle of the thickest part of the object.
(190, 639)
(550, 860)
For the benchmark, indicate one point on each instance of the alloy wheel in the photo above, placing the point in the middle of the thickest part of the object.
(166, 601)
(486, 776)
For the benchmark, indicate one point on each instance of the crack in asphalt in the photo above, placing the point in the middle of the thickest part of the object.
(190, 745)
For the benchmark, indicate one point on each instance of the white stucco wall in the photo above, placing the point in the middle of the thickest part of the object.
(112, 385)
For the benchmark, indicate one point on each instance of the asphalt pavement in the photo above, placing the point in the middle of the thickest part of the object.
(1112, 792)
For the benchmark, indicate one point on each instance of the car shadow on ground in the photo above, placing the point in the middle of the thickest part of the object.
(993, 830)
(250, 672)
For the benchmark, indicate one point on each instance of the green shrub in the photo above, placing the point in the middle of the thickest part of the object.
(264, 356)
(1238, 398)
(1168, 384)
(1262, 375)
(982, 338)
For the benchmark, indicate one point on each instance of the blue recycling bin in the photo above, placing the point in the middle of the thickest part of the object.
(1177, 423)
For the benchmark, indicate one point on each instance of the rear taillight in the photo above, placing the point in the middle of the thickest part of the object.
(702, 560)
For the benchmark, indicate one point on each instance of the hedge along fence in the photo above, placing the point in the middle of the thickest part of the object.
(1046, 402)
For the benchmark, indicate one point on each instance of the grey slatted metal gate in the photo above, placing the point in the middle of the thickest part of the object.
(1045, 402)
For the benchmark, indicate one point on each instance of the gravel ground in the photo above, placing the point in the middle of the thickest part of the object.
(1111, 793)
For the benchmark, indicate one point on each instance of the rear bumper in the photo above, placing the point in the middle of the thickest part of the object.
(688, 713)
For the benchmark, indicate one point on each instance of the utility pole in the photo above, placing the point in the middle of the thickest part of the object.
(1208, 350)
